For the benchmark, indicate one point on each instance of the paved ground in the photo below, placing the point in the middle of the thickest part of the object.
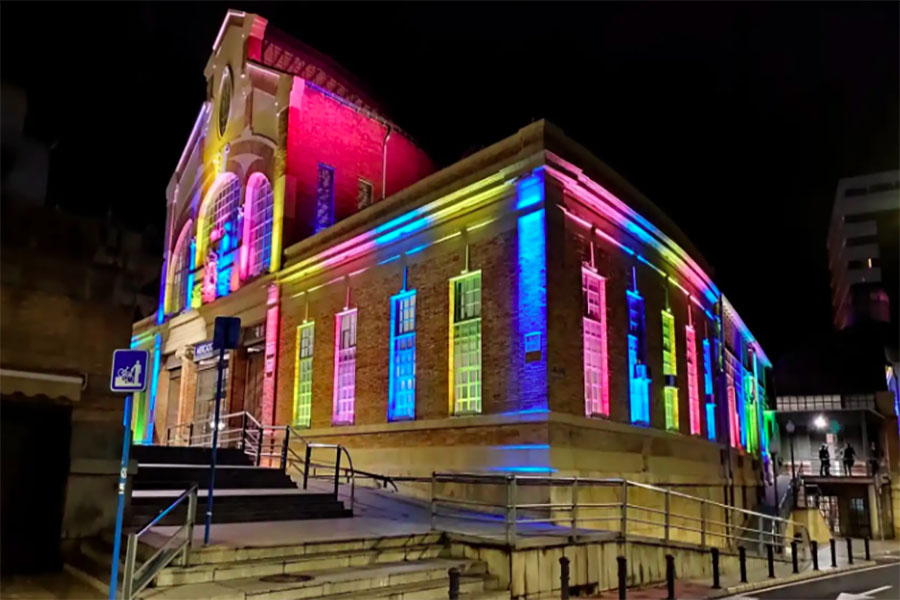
(46, 586)
(882, 582)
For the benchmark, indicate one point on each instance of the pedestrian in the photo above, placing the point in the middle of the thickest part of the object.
(824, 461)
(874, 459)
(849, 456)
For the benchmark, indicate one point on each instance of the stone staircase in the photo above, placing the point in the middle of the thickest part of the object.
(244, 492)
(413, 567)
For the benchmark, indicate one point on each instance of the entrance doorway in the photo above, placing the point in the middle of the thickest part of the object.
(256, 374)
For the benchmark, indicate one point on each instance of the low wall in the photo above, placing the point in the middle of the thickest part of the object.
(533, 571)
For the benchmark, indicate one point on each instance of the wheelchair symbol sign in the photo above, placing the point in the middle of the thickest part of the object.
(129, 371)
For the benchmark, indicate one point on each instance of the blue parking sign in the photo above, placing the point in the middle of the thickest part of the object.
(129, 371)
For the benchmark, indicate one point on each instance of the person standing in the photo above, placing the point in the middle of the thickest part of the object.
(874, 459)
(849, 456)
(824, 461)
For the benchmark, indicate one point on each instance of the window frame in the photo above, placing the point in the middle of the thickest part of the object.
(402, 386)
(345, 354)
(466, 345)
(594, 344)
(303, 374)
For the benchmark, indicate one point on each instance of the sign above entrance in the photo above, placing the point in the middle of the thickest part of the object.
(203, 350)
(129, 371)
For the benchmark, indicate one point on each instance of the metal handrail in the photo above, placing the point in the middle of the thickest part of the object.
(771, 528)
(136, 579)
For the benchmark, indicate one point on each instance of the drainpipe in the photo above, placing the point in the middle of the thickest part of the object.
(387, 136)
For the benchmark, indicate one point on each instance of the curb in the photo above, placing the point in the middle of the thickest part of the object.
(759, 585)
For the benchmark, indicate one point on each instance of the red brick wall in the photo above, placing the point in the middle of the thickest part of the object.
(323, 129)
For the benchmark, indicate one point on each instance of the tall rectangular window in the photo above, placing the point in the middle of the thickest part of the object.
(638, 373)
(734, 433)
(303, 374)
(344, 366)
(670, 370)
(708, 391)
(324, 198)
(402, 390)
(465, 343)
(690, 344)
(596, 373)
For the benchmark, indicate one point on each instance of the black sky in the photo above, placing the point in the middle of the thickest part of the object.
(736, 119)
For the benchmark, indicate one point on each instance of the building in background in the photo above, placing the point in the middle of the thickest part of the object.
(523, 310)
(864, 250)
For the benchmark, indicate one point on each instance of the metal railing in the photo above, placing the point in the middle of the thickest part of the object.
(135, 579)
(574, 506)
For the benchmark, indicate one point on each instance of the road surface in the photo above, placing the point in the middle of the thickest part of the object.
(881, 582)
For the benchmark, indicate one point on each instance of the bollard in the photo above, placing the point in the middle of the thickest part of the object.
(833, 553)
(866, 546)
(794, 556)
(814, 549)
(670, 577)
(564, 578)
(849, 551)
(454, 583)
(715, 558)
(770, 558)
(742, 556)
(623, 570)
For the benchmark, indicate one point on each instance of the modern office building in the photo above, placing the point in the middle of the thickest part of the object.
(864, 250)
(522, 310)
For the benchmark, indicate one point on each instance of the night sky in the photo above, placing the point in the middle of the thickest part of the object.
(736, 119)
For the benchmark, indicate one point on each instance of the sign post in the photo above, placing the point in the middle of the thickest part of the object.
(225, 336)
(129, 375)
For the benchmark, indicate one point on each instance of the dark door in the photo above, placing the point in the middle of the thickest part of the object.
(36, 434)
(858, 517)
(256, 373)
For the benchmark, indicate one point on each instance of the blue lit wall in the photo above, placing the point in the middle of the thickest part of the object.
(532, 294)
(639, 385)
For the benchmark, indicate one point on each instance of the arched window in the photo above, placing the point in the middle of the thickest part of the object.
(218, 232)
(258, 224)
(180, 270)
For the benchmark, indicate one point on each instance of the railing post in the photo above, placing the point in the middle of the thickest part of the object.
(259, 445)
(624, 527)
(703, 509)
(670, 577)
(667, 517)
(168, 435)
(575, 511)
(243, 431)
(814, 550)
(564, 578)
(190, 434)
(191, 518)
(453, 593)
(623, 572)
(511, 497)
(128, 572)
(337, 470)
(715, 568)
(284, 449)
(849, 551)
(742, 557)
(833, 553)
(433, 500)
(307, 456)
(770, 559)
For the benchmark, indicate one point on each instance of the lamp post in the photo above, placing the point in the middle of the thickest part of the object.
(790, 428)
(774, 457)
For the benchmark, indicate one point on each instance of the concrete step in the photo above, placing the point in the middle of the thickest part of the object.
(222, 554)
(303, 563)
(188, 455)
(162, 476)
(363, 581)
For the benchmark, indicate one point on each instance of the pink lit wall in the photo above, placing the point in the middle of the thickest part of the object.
(323, 128)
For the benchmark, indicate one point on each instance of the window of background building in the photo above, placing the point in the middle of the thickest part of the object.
(639, 375)
(303, 374)
(596, 374)
(708, 391)
(261, 213)
(690, 345)
(465, 342)
(324, 198)
(402, 400)
(363, 193)
(670, 370)
(345, 367)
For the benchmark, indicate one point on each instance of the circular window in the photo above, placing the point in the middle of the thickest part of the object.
(225, 89)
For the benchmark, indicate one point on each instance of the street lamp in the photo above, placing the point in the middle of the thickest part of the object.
(790, 428)
(820, 422)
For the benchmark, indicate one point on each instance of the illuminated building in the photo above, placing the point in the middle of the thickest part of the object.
(522, 310)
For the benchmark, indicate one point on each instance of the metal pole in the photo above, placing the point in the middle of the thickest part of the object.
(215, 447)
(337, 470)
(793, 467)
(814, 549)
(703, 509)
(796, 567)
(849, 551)
(433, 499)
(259, 445)
(623, 571)
(243, 431)
(190, 434)
(120, 509)
(667, 514)
(191, 518)
(866, 545)
(715, 568)
(833, 553)
(564, 578)
(574, 510)
(284, 449)
(742, 557)
(770, 558)
(306, 466)
(624, 508)
(512, 499)
(128, 575)
(453, 594)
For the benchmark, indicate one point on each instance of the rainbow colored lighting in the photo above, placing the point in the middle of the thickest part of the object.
(594, 343)
(344, 395)
(637, 367)
(402, 376)
(690, 344)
